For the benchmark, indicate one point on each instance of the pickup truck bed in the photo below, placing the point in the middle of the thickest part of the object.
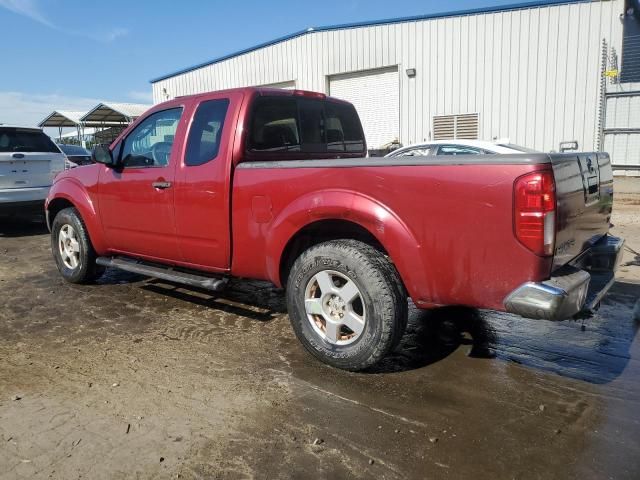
(272, 185)
(451, 239)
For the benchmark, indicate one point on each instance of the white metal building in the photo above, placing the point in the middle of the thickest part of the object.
(533, 73)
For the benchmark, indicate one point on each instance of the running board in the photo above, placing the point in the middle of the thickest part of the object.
(164, 273)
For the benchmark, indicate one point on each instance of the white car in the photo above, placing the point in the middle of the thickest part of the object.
(29, 161)
(458, 147)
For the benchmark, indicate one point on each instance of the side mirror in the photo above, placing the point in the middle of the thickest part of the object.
(102, 154)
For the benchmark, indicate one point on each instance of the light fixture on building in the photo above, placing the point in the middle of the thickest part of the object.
(411, 72)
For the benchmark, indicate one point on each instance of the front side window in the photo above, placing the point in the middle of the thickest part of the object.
(206, 131)
(150, 143)
(293, 125)
(459, 150)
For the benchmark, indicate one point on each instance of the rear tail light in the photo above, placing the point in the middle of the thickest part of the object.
(57, 166)
(535, 212)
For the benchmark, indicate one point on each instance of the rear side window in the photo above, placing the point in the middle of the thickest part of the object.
(205, 133)
(25, 140)
(343, 130)
(275, 127)
(302, 125)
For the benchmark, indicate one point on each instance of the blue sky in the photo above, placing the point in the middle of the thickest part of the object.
(71, 54)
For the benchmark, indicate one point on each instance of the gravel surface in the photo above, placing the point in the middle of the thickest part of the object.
(136, 378)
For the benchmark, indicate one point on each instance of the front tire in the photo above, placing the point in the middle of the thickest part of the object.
(346, 303)
(72, 249)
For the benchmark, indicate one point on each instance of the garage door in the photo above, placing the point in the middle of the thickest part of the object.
(622, 130)
(376, 96)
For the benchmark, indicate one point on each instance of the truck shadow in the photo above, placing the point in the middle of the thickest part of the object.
(22, 226)
(432, 335)
(596, 350)
(254, 300)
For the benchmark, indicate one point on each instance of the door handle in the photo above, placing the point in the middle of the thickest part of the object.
(161, 185)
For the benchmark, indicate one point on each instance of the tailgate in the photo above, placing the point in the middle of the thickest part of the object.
(23, 170)
(584, 193)
(28, 158)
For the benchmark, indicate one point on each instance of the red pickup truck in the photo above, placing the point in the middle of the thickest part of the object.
(273, 184)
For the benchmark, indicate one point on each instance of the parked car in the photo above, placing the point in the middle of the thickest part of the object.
(458, 147)
(271, 184)
(76, 155)
(29, 161)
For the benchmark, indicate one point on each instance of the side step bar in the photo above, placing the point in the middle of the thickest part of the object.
(164, 273)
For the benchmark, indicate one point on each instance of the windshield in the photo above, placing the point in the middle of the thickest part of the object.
(519, 148)
(25, 140)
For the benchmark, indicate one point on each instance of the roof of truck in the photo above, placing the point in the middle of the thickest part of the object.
(261, 90)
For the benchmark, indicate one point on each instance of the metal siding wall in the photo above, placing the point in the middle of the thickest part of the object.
(531, 74)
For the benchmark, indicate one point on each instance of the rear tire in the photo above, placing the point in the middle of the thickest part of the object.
(72, 249)
(346, 303)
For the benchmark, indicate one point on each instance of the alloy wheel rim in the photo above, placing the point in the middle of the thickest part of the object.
(335, 307)
(69, 247)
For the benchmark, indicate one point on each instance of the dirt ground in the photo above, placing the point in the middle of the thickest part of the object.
(136, 378)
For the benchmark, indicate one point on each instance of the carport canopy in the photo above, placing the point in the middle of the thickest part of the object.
(61, 118)
(108, 113)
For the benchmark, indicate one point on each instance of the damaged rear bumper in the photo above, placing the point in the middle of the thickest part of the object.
(573, 289)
